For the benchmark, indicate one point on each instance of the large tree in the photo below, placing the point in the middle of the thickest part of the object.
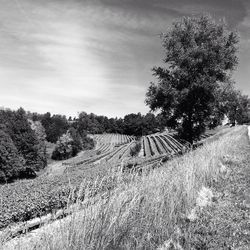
(199, 55)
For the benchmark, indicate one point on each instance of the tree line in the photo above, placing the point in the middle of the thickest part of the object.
(132, 124)
(23, 137)
(70, 135)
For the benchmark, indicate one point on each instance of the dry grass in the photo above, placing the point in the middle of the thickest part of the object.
(141, 212)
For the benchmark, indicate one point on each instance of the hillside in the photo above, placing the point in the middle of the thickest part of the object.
(185, 203)
(28, 199)
(125, 125)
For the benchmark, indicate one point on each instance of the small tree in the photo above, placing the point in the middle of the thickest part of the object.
(199, 54)
(238, 108)
(55, 126)
(77, 141)
(70, 143)
(64, 148)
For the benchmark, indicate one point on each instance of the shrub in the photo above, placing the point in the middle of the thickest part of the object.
(55, 126)
(64, 148)
(77, 141)
(87, 143)
(134, 151)
(70, 144)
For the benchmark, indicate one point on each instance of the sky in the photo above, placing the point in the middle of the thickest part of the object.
(67, 56)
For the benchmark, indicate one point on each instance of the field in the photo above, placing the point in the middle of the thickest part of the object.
(152, 210)
(113, 139)
(27, 199)
(59, 185)
(159, 144)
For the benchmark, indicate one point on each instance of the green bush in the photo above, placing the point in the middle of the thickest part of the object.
(64, 148)
(70, 144)
(134, 151)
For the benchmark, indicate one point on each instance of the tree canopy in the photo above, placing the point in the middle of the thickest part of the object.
(55, 126)
(11, 162)
(199, 55)
(22, 148)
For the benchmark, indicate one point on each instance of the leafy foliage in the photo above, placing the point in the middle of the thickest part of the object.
(230, 102)
(134, 151)
(11, 163)
(70, 143)
(64, 148)
(55, 126)
(199, 54)
(131, 124)
(23, 137)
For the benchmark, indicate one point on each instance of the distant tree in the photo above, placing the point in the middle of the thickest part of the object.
(11, 163)
(106, 124)
(63, 149)
(238, 108)
(87, 142)
(83, 123)
(199, 54)
(23, 137)
(229, 102)
(55, 126)
(150, 124)
(70, 143)
(77, 144)
(133, 124)
(120, 126)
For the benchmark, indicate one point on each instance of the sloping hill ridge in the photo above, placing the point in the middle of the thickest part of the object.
(153, 191)
(27, 199)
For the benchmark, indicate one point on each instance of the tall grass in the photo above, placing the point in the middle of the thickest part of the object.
(141, 211)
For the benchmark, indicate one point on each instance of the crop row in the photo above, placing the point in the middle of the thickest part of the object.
(158, 144)
(121, 153)
(113, 139)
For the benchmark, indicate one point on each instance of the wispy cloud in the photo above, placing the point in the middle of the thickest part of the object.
(93, 55)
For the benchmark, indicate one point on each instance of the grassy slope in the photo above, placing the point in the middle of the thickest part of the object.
(143, 212)
(226, 224)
